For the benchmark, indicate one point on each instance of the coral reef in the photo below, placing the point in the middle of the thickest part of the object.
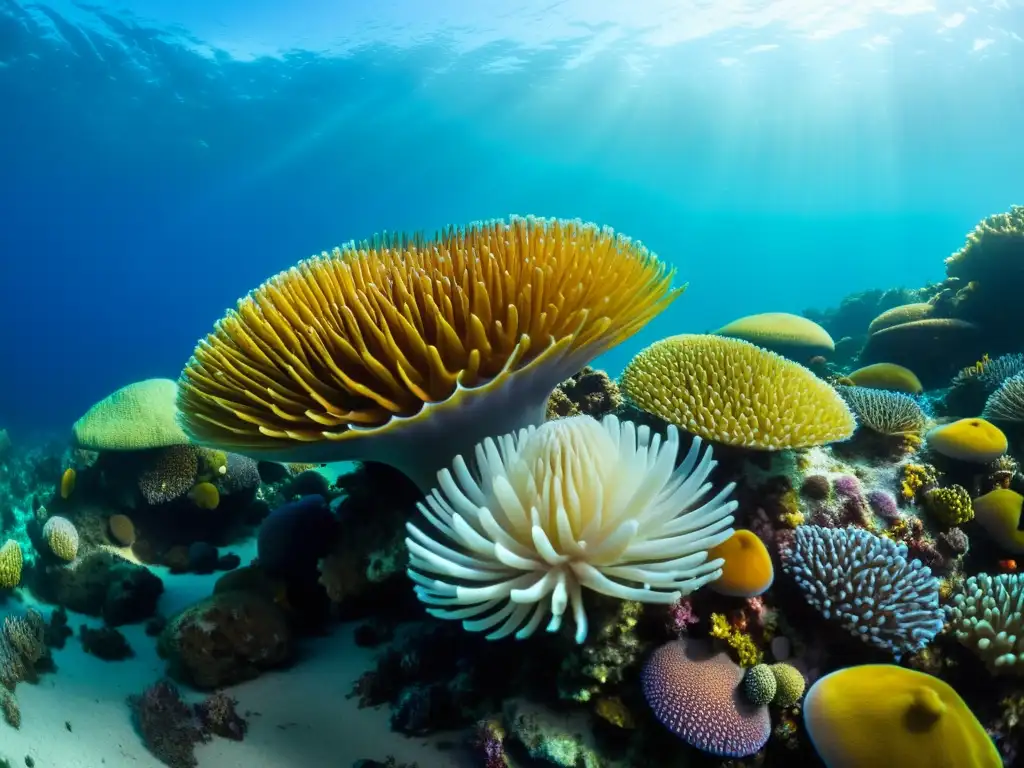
(227, 638)
(167, 725)
(105, 643)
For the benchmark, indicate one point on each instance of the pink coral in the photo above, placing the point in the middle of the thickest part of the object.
(848, 486)
(883, 504)
(681, 615)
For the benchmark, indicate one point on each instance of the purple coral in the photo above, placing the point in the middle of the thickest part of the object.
(490, 744)
(681, 615)
(848, 486)
(696, 694)
(166, 725)
(884, 505)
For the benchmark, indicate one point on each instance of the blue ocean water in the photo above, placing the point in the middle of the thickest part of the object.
(159, 159)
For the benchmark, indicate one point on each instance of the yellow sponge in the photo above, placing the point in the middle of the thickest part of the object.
(137, 417)
(974, 440)
(877, 715)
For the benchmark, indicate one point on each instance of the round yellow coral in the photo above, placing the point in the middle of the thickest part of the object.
(889, 376)
(972, 440)
(11, 560)
(792, 335)
(949, 506)
(789, 684)
(61, 536)
(733, 392)
(905, 313)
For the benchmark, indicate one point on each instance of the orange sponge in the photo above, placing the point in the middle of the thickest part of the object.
(748, 570)
(974, 440)
(885, 715)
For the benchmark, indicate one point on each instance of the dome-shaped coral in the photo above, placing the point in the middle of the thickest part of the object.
(61, 537)
(789, 684)
(974, 440)
(730, 391)
(904, 313)
(949, 506)
(696, 694)
(885, 715)
(572, 504)
(122, 529)
(386, 350)
(748, 570)
(205, 495)
(998, 513)
(67, 483)
(790, 335)
(136, 417)
(169, 474)
(888, 376)
(888, 413)
(759, 684)
(11, 561)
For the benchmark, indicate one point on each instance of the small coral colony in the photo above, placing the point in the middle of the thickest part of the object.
(791, 541)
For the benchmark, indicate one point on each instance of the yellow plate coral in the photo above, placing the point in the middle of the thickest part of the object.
(782, 332)
(890, 376)
(410, 350)
(877, 715)
(733, 392)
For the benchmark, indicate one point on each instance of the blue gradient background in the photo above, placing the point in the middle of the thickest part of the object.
(160, 159)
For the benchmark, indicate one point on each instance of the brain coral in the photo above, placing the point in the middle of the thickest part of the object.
(888, 413)
(385, 350)
(866, 583)
(61, 536)
(136, 417)
(572, 504)
(1007, 402)
(697, 695)
(985, 616)
(781, 332)
(885, 715)
(730, 391)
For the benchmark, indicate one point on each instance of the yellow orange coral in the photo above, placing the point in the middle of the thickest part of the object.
(998, 512)
(781, 332)
(889, 376)
(387, 349)
(885, 715)
(67, 483)
(974, 440)
(905, 313)
(11, 561)
(916, 477)
(747, 571)
(733, 392)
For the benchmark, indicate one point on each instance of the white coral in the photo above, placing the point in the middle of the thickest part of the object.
(573, 503)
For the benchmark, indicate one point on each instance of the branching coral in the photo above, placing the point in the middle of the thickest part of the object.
(866, 583)
(573, 503)
(385, 350)
(986, 616)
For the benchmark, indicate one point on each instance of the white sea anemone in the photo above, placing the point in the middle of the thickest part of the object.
(573, 503)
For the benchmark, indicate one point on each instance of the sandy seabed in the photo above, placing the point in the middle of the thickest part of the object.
(77, 717)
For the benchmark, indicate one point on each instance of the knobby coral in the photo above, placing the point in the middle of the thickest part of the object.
(868, 585)
(730, 391)
(383, 351)
(574, 503)
(986, 615)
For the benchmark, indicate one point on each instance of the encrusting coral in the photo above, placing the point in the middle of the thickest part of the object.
(733, 392)
(382, 351)
(572, 504)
